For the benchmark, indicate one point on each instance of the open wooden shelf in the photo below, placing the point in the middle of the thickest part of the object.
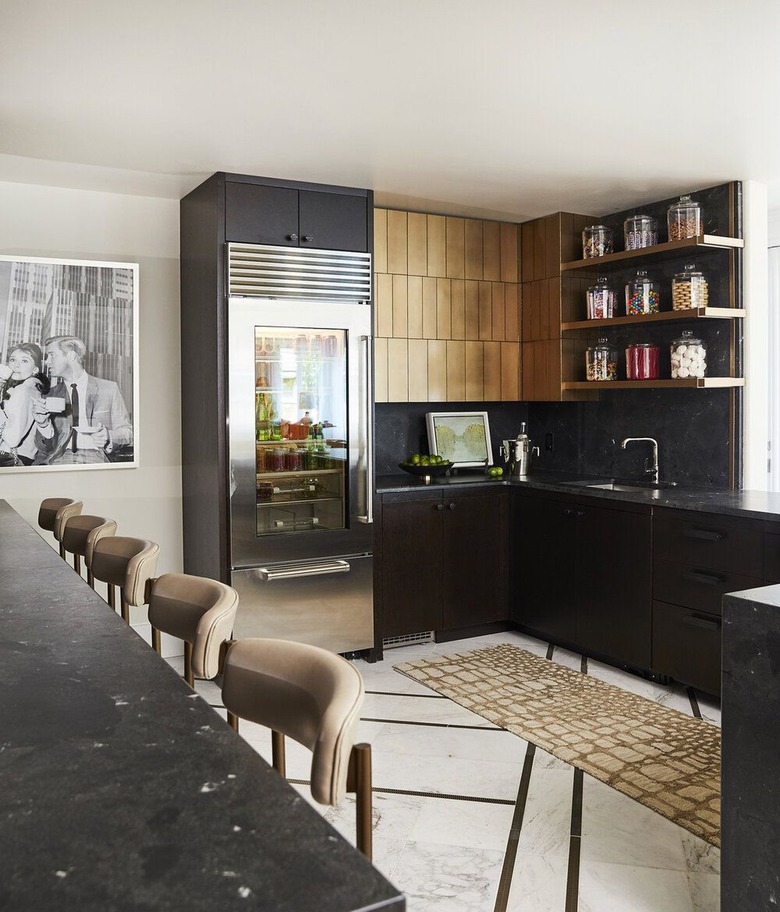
(627, 257)
(694, 313)
(689, 382)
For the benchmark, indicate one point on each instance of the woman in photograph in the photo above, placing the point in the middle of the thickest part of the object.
(22, 407)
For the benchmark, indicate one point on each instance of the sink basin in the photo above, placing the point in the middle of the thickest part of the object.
(629, 486)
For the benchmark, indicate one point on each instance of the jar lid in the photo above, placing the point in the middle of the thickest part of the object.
(687, 338)
(685, 202)
(643, 345)
(597, 228)
(688, 270)
(640, 220)
(641, 274)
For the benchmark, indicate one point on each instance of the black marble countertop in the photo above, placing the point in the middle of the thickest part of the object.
(763, 505)
(123, 790)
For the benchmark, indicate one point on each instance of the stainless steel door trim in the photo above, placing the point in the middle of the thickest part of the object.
(295, 571)
(368, 516)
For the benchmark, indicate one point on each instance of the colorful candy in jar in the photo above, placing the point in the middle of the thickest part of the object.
(642, 295)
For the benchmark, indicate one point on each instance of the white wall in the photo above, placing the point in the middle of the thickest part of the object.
(52, 221)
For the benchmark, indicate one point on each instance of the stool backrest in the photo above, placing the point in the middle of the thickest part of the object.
(304, 692)
(82, 532)
(128, 563)
(198, 610)
(54, 512)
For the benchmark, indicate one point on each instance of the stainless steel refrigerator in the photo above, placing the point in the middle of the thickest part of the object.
(300, 444)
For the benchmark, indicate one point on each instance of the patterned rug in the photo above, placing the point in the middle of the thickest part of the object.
(664, 759)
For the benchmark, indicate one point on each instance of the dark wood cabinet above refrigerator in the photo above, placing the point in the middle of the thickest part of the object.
(290, 216)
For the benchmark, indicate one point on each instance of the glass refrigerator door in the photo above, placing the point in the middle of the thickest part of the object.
(301, 439)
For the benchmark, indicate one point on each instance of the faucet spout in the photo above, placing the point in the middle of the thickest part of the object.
(651, 464)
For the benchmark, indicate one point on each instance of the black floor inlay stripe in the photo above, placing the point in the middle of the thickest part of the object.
(420, 794)
(510, 855)
(550, 651)
(694, 702)
(392, 693)
(575, 842)
(483, 728)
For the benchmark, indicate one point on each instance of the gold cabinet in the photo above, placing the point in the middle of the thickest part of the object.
(446, 308)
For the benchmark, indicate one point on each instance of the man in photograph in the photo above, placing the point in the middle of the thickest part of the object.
(95, 422)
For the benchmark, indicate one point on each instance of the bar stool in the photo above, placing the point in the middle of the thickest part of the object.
(314, 697)
(79, 538)
(127, 563)
(54, 512)
(197, 610)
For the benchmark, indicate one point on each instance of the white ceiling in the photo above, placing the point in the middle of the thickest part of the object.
(499, 108)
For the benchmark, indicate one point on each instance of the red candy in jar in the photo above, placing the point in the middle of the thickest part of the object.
(642, 361)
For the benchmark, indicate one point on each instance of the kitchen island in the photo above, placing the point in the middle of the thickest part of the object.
(122, 789)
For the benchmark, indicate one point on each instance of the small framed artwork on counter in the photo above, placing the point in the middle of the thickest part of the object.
(463, 438)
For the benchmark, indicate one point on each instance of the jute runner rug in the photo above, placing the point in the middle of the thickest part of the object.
(664, 759)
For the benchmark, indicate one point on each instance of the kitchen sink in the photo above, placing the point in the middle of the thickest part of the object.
(630, 486)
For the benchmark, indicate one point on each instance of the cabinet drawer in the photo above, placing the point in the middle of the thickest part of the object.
(695, 586)
(686, 646)
(708, 541)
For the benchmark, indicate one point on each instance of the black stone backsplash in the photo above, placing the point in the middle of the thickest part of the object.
(692, 428)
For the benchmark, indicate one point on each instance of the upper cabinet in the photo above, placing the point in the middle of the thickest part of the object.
(286, 216)
(447, 308)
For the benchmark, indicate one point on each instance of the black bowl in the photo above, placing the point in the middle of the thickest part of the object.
(433, 470)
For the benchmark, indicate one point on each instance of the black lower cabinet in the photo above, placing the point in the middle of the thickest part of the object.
(686, 646)
(441, 561)
(582, 576)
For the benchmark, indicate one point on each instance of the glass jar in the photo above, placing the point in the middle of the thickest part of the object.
(275, 460)
(643, 361)
(597, 240)
(601, 361)
(683, 219)
(601, 299)
(642, 295)
(640, 231)
(294, 461)
(689, 289)
(689, 356)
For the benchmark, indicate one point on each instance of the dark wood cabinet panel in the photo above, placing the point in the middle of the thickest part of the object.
(686, 646)
(442, 561)
(411, 566)
(474, 544)
(333, 221)
(694, 586)
(544, 541)
(256, 214)
(614, 564)
(707, 540)
(772, 557)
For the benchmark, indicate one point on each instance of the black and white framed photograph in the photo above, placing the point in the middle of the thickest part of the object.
(68, 364)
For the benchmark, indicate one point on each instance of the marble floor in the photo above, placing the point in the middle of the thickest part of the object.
(470, 817)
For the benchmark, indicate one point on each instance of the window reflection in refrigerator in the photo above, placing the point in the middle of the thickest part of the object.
(300, 429)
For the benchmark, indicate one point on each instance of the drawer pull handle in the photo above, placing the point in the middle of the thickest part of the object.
(706, 579)
(701, 623)
(704, 534)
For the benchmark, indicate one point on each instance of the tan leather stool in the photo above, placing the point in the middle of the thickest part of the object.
(314, 697)
(197, 610)
(128, 563)
(79, 538)
(54, 512)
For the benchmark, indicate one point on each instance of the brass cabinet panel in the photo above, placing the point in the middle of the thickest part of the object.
(429, 308)
(437, 245)
(414, 303)
(437, 371)
(400, 312)
(512, 312)
(485, 311)
(471, 291)
(397, 258)
(511, 362)
(456, 248)
(498, 311)
(474, 372)
(491, 371)
(443, 312)
(380, 240)
(473, 249)
(418, 370)
(458, 309)
(397, 370)
(417, 244)
(456, 371)
(510, 261)
(380, 370)
(383, 305)
(491, 253)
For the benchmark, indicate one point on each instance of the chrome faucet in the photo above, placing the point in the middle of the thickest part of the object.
(651, 464)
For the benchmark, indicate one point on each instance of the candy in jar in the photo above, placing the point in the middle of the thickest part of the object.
(642, 361)
(601, 361)
(597, 240)
(601, 300)
(640, 231)
(689, 289)
(689, 357)
(683, 219)
(642, 295)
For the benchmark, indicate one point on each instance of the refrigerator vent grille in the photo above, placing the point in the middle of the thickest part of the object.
(289, 272)
(411, 639)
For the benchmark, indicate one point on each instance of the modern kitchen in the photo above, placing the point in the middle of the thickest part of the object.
(453, 410)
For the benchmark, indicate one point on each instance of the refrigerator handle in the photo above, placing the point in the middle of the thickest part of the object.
(368, 517)
(296, 571)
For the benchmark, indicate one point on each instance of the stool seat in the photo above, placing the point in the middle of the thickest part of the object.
(199, 611)
(53, 514)
(127, 564)
(314, 697)
(79, 537)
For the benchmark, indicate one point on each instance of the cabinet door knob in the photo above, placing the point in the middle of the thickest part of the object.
(292, 237)
(452, 506)
(308, 238)
(439, 506)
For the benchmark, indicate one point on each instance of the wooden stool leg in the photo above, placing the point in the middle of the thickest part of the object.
(62, 551)
(77, 563)
(156, 641)
(359, 782)
(125, 611)
(189, 677)
(90, 579)
(232, 720)
(278, 753)
(111, 596)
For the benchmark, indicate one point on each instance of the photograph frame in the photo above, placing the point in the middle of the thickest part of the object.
(88, 312)
(446, 432)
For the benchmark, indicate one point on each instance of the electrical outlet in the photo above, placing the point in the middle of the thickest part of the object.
(549, 442)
